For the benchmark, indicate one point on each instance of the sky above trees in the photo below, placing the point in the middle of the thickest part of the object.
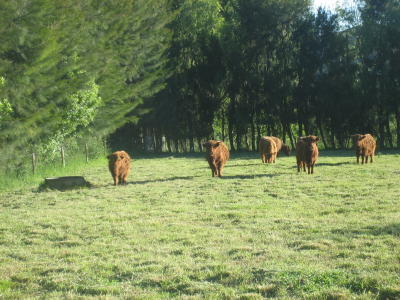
(331, 4)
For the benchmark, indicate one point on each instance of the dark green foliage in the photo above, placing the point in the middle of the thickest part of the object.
(76, 68)
(269, 67)
(183, 71)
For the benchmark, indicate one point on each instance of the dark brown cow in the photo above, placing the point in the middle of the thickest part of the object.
(268, 149)
(307, 153)
(217, 155)
(364, 145)
(119, 164)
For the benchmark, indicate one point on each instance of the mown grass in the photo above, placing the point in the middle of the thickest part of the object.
(261, 231)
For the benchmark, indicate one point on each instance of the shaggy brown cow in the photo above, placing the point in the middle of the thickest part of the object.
(268, 149)
(307, 153)
(217, 156)
(365, 146)
(119, 164)
(281, 146)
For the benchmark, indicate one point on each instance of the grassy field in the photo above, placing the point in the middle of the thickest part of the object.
(176, 232)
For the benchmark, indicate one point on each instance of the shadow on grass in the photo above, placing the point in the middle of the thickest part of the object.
(242, 165)
(250, 176)
(325, 164)
(144, 181)
(391, 229)
(163, 179)
(333, 164)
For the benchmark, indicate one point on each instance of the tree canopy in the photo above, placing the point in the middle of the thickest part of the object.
(166, 75)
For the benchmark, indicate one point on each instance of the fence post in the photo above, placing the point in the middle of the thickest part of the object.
(33, 163)
(87, 152)
(62, 156)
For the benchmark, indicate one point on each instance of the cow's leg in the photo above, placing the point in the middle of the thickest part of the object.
(221, 168)
(115, 180)
(371, 160)
(366, 159)
(304, 165)
(358, 159)
(215, 168)
(312, 169)
(298, 166)
(362, 159)
(263, 157)
(212, 168)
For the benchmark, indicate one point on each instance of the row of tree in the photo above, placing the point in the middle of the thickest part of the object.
(168, 74)
(246, 68)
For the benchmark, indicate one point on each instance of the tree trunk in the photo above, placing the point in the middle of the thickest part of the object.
(321, 132)
(332, 138)
(306, 127)
(258, 137)
(388, 132)
(200, 144)
(105, 147)
(246, 141)
(62, 157)
(398, 126)
(87, 152)
(223, 126)
(191, 143)
(381, 127)
(253, 136)
(33, 163)
(291, 137)
(238, 141)
(176, 143)
(300, 132)
(283, 132)
(168, 144)
(183, 145)
(230, 134)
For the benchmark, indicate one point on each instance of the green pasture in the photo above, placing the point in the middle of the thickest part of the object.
(261, 231)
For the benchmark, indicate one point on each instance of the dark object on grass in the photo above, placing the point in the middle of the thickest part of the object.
(64, 183)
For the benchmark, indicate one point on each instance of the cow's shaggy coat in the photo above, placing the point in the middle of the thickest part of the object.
(281, 146)
(364, 145)
(119, 164)
(307, 153)
(217, 154)
(268, 149)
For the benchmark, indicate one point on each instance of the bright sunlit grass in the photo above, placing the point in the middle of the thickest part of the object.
(175, 232)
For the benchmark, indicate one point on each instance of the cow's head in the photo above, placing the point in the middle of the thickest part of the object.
(358, 137)
(211, 144)
(112, 157)
(310, 139)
